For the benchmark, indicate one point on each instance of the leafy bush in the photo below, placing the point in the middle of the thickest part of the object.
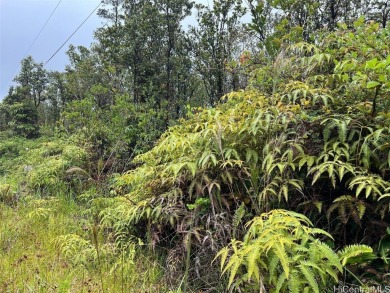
(315, 141)
(40, 165)
(280, 252)
(310, 134)
(48, 164)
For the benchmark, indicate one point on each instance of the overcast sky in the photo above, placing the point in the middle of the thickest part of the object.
(20, 23)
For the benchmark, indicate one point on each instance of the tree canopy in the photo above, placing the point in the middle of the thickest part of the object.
(249, 157)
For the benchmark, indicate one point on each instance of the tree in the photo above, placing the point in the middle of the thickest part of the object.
(216, 39)
(148, 51)
(380, 12)
(279, 23)
(33, 78)
(21, 113)
(21, 105)
(176, 62)
(57, 96)
(316, 142)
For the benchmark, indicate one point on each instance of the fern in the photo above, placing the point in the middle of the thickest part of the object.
(333, 163)
(309, 276)
(40, 213)
(238, 217)
(348, 207)
(338, 123)
(374, 186)
(355, 254)
(302, 142)
(281, 245)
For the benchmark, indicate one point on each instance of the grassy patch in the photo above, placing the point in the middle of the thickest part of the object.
(32, 261)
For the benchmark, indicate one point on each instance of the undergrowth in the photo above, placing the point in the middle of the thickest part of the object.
(286, 183)
(49, 238)
(35, 258)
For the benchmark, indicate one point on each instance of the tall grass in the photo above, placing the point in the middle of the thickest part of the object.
(50, 239)
(30, 260)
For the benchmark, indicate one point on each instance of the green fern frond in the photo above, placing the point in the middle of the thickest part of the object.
(279, 242)
(348, 207)
(272, 267)
(294, 283)
(251, 262)
(355, 254)
(239, 214)
(374, 185)
(309, 276)
(281, 283)
(326, 253)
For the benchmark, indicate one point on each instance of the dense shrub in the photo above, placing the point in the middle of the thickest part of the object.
(315, 141)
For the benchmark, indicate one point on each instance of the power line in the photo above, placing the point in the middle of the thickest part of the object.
(43, 27)
(55, 53)
(36, 38)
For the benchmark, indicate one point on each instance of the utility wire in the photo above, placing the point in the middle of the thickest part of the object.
(35, 39)
(43, 27)
(55, 53)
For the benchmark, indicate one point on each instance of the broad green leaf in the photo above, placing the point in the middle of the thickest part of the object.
(372, 84)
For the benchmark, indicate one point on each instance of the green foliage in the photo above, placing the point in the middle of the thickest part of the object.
(22, 117)
(31, 261)
(48, 165)
(32, 79)
(280, 23)
(82, 252)
(216, 42)
(353, 254)
(301, 143)
(40, 166)
(310, 133)
(384, 246)
(280, 251)
(7, 194)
